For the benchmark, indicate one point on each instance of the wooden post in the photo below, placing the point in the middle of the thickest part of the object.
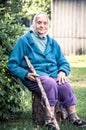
(44, 96)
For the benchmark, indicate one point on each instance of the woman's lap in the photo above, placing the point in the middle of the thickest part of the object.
(54, 91)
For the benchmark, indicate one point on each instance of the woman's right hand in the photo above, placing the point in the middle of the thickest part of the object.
(32, 76)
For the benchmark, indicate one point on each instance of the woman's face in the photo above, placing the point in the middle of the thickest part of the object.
(41, 24)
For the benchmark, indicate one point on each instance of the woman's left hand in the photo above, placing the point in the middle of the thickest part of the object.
(62, 78)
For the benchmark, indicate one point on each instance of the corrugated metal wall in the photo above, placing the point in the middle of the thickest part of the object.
(69, 25)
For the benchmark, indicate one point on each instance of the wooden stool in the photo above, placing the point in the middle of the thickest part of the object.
(38, 111)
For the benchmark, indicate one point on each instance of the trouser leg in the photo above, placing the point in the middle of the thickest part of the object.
(63, 92)
(50, 87)
(66, 95)
(54, 91)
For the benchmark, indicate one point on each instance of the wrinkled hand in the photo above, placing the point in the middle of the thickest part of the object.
(31, 76)
(62, 78)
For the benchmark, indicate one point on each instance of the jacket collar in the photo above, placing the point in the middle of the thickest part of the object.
(36, 49)
(28, 36)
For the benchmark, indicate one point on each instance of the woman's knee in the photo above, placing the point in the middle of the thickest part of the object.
(65, 92)
(66, 87)
(48, 82)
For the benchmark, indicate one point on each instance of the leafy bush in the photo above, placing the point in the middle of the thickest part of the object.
(9, 94)
(10, 29)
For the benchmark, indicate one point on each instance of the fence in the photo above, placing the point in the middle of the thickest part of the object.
(69, 25)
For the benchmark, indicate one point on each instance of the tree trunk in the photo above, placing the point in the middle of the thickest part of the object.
(38, 111)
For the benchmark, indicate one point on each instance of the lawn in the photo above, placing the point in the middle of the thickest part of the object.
(78, 81)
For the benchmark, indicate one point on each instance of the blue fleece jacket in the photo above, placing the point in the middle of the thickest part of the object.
(48, 63)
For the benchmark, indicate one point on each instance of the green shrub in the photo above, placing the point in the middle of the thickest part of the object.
(10, 90)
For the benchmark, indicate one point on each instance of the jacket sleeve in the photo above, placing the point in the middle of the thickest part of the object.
(14, 61)
(62, 62)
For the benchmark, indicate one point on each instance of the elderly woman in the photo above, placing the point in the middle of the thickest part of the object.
(50, 64)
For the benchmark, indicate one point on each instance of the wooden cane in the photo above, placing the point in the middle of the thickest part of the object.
(44, 96)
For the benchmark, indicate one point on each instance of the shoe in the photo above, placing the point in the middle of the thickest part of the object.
(79, 123)
(49, 123)
(50, 126)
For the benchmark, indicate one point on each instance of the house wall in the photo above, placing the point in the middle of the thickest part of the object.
(69, 25)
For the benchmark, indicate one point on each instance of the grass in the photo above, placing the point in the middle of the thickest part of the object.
(78, 81)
